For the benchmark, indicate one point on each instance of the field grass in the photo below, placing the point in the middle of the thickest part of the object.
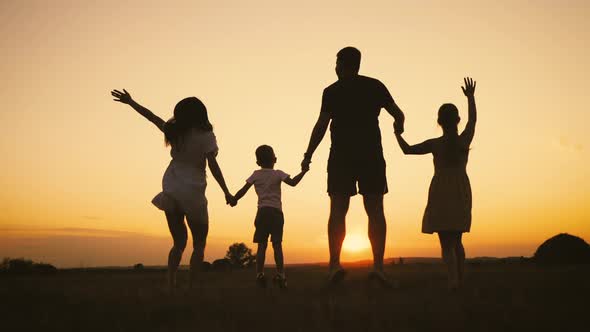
(497, 297)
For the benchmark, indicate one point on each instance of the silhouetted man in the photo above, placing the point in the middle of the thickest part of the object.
(351, 106)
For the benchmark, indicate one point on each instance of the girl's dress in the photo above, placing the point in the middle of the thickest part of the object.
(184, 182)
(449, 196)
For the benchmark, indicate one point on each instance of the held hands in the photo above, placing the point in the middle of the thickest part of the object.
(469, 88)
(398, 127)
(122, 97)
(230, 200)
(305, 163)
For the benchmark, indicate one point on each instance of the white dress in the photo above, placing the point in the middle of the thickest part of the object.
(184, 182)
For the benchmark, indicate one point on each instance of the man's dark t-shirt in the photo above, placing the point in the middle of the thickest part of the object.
(354, 105)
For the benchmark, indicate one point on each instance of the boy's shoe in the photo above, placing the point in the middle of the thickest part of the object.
(381, 278)
(336, 275)
(280, 280)
(261, 280)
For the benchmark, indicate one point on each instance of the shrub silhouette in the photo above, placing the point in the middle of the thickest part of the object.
(205, 266)
(138, 267)
(21, 265)
(240, 255)
(222, 264)
(563, 249)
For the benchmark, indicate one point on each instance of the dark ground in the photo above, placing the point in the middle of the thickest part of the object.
(497, 297)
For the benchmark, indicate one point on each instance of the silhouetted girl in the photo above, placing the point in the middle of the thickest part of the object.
(193, 146)
(449, 199)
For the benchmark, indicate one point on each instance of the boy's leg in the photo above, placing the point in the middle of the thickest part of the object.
(279, 260)
(260, 257)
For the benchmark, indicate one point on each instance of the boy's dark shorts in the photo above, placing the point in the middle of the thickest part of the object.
(344, 174)
(269, 221)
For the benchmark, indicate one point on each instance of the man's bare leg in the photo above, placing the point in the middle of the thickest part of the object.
(377, 228)
(337, 228)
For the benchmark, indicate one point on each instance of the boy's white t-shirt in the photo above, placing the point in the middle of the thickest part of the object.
(267, 183)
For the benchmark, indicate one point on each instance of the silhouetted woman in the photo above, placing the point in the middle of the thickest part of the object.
(448, 211)
(193, 146)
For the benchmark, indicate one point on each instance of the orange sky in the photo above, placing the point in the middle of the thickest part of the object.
(78, 171)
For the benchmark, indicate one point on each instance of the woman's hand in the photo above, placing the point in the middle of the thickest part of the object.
(122, 97)
(469, 88)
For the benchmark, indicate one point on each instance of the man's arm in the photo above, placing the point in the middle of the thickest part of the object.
(294, 181)
(242, 191)
(318, 133)
(397, 114)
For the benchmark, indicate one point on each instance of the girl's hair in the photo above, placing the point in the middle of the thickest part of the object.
(189, 113)
(448, 117)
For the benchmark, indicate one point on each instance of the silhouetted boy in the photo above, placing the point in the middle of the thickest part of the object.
(269, 218)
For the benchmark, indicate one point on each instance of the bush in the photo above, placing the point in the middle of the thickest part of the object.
(563, 249)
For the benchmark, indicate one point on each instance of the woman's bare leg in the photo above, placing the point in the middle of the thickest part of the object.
(199, 231)
(179, 235)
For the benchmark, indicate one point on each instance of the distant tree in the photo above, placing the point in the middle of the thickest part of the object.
(240, 255)
(138, 267)
(401, 261)
(563, 249)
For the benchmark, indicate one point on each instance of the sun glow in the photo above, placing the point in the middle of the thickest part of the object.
(356, 243)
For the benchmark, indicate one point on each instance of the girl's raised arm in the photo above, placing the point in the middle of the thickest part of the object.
(125, 98)
(469, 91)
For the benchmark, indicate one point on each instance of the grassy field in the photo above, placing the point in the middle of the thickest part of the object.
(497, 297)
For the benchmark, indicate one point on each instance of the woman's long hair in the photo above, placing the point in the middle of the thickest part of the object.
(189, 113)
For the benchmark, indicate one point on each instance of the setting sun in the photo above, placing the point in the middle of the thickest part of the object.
(356, 243)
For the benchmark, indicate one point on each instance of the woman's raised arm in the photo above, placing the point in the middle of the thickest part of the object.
(125, 98)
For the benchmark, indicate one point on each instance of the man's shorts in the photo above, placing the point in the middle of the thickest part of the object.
(269, 221)
(345, 173)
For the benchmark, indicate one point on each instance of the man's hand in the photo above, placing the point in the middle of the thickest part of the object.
(122, 97)
(305, 163)
(469, 88)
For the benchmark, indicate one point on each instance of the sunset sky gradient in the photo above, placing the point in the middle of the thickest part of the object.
(78, 170)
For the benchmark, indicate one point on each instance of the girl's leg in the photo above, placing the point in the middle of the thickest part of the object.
(260, 257)
(179, 236)
(278, 251)
(199, 231)
(447, 243)
(460, 252)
